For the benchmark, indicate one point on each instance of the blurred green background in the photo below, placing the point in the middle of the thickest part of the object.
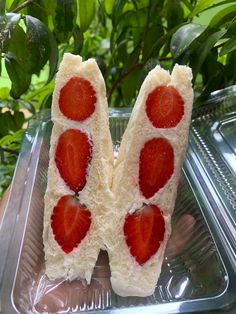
(126, 37)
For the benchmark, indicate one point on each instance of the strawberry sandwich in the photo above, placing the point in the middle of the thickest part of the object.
(80, 170)
(145, 180)
(126, 209)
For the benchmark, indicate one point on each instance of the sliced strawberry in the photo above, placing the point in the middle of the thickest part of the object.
(77, 99)
(73, 154)
(165, 107)
(156, 165)
(144, 231)
(70, 222)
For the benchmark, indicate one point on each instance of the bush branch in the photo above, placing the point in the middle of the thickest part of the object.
(121, 77)
(22, 6)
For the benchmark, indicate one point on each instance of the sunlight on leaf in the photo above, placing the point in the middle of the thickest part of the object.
(229, 46)
(223, 16)
(201, 5)
(184, 36)
(86, 13)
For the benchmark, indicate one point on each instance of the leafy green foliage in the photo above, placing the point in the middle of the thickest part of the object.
(127, 38)
(229, 46)
(20, 79)
(38, 44)
(86, 13)
(64, 20)
(9, 149)
(8, 23)
(200, 6)
(184, 37)
(223, 17)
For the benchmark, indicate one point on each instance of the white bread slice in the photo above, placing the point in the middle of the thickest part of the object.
(80, 262)
(128, 278)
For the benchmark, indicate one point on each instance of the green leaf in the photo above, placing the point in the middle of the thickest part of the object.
(201, 53)
(155, 31)
(129, 86)
(15, 137)
(15, 4)
(223, 16)
(4, 93)
(50, 6)
(39, 92)
(9, 4)
(188, 4)
(184, 37)
(231, 29)
(174, 13)
(133, 22)
(53, 59)
(7, 123)
(102, 65)
(159, 43)
(2, 6)
(17, 63)
(201, 5)
(215, 77)
(38, 46)
(86, 13)
(8, 23)
(101, 16)
(17, 46)
(6, 173)
(19, 77)
(231, 67)
(38, 10)
(78, 40)
(121, 50)
(64, 20)
(108, 5)
(117, 11)
(132, 59)
(47, 102)
(0, 65)
(229, 46)
(19, 119)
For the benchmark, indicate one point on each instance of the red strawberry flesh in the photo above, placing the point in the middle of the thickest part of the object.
(77, 99)
(144, 231)
(165, 107)
(156, 165)
(72, 157)
(70, 222)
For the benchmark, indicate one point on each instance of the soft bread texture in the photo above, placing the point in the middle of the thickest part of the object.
(113, 191)
(128, 278)
(81, 261)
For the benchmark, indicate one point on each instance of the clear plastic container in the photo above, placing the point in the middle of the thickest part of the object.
(212, 155)
(198, 273)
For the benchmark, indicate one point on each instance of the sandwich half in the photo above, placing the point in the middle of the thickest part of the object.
(145, 180)
(80, 170)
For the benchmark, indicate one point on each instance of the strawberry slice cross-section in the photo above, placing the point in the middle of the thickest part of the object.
(77, 99)
(164, 107)
(72, 157)
(144, 231)
(156, 165)
(70, 222)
